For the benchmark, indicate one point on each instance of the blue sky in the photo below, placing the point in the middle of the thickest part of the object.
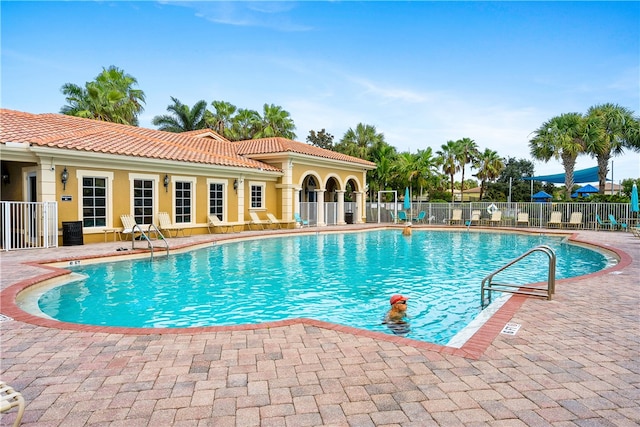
(422, 73)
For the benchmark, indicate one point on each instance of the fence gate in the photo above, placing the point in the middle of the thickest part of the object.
(28, 225)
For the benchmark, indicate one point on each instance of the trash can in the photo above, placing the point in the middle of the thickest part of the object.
(348, 217)
(72, 233)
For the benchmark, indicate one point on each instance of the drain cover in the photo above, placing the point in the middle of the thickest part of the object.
(510, 329)
(4, 318)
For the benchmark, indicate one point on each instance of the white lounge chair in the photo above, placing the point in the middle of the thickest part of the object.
(555, 220)
(523, 219)
(496, 218)
(9, 398)
(129, 225)
(456, 217)
(224, 227)
(575, 221)
(274, 221)
(166, 225)
(255, 220)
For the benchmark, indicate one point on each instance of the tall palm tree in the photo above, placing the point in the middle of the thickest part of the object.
(449, 154)
(222, 119)
(617, 129)
(276, 122)
(383, 155)
(246, 125)
(563, 138)
(182, 118)
(467, 154)
(111, 97)
(489, 166)
(358, 142)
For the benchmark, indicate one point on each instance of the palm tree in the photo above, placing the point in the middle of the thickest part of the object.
(383, 155)
(182, 118)
(245, 125)
(222, 119)
(617, 129)
(449, 154)
(468, 152)
(489, 166)
(358, 142)
(564, 138)
(111, 98)
(276, 122)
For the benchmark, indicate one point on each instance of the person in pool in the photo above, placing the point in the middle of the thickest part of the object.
(396, 318)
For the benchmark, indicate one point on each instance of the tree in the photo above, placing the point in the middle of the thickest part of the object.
(384, 156)
(511, 179)
(563, 137)
(489, 166)
(449, 153)
(467, 153)
(182, 118)
(275, 122)
(617, 129)
(321, 139)
(245, 125)
(358, 142)
(222, 119)
(110, 98)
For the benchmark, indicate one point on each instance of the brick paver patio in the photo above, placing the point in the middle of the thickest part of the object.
(575, 361)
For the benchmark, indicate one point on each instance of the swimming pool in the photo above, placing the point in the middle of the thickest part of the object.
(344, 278)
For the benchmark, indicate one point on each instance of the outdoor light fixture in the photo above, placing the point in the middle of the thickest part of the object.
(6, 179)
(64, 177)
(166, 183)
(235, 185)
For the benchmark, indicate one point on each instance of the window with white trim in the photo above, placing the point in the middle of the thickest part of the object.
(143, 200)
(257, 196)
(216, 200)
(183, 201)
(94, 201)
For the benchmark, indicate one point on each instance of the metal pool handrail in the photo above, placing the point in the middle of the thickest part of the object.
(537, 291)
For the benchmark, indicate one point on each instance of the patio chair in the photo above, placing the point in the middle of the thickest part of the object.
(274, 221)
(223, 226)
(402, 216)
(603, 224)
(166, 225)
(9, 398)
(128, 224)
(255, 220)
(523, 219)
(420, 218)
(302, 222)
(475, 217)
(456, 217)
(496, 218)
(616, 224)
(555, 220)
(575, 221)
(636, 230)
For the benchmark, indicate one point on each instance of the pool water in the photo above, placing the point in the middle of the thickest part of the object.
(340, 278)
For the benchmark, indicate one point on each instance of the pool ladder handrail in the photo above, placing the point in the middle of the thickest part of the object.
(536, 291)
(146, 235)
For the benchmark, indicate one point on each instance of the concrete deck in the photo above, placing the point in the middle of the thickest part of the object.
(575, 361)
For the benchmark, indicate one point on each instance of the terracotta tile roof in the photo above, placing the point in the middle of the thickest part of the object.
(282, 145)
(74, 133)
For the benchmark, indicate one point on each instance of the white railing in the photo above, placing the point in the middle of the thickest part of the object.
(539, 213)
(28, 225)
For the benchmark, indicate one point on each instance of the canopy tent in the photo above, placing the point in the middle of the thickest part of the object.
(541, 196)
(585, 191)
(579, 177)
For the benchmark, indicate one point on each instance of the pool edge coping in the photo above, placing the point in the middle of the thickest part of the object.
(473, 348)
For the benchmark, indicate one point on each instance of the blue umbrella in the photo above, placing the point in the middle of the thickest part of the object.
(634, 198)
(407, 199)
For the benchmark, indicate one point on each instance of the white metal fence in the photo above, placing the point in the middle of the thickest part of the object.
(539, 213)
(27, 225)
